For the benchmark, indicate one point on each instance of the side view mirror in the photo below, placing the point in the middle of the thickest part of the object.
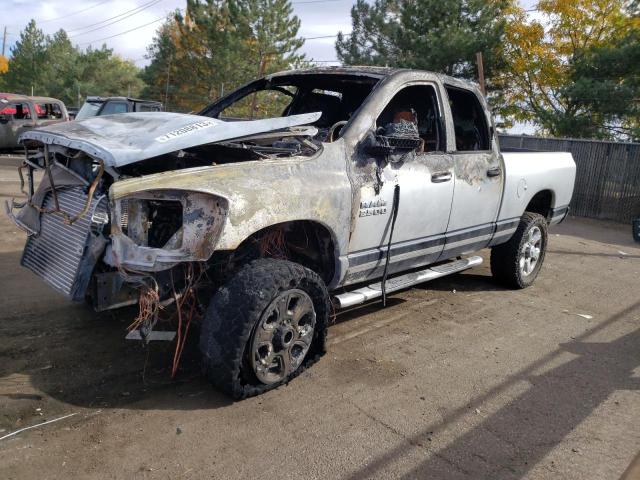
(5, 118)
(382, 145)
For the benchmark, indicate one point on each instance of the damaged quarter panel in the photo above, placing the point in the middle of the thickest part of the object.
(241, 199)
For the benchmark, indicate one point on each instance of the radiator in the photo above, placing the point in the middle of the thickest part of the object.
(56, 253)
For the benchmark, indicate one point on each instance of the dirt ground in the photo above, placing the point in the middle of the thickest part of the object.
(456, 379)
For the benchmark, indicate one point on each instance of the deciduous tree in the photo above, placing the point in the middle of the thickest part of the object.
(564, 70)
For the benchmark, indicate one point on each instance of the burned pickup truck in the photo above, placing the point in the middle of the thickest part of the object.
(365, 181)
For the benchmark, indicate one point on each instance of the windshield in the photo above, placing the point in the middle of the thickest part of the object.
(337, 96)
(89, 109)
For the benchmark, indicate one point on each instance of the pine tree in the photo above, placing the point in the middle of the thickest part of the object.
(59, 71)
(27, 59)
(218, 45)
(438, 35)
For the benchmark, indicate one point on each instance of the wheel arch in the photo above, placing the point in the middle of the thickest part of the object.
(542, 203)
(310, 243)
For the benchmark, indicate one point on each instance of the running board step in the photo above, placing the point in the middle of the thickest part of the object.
(364, 294)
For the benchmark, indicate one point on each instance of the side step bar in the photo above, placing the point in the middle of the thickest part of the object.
(364, 294)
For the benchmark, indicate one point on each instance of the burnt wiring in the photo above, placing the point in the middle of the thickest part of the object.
(187, 307)
(273, 244)
(394, 215)
(189, 296)
(69, 219)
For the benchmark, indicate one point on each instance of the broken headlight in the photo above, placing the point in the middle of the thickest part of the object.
(154, 230)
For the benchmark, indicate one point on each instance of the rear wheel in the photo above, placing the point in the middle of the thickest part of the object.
(264, 327)
(518, 262)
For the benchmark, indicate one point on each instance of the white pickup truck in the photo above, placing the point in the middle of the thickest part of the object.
(361, 182)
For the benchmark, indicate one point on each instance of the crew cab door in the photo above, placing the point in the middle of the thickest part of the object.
(479, 175)
(425, 177)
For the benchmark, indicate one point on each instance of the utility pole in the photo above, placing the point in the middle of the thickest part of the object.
(481, 73)
(4, 40)
(262, 66)
(166, 92)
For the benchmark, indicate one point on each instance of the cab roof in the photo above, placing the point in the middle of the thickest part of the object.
(10, 97)
(97, 98)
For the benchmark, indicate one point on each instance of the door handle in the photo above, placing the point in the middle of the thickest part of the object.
(494, 172)
(441, 177)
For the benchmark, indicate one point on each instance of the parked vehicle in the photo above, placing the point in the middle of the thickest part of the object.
(19, 113)
(97, 106)
(371, 180)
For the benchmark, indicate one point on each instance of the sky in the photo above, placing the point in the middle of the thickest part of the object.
(318, 18)
(91, 22)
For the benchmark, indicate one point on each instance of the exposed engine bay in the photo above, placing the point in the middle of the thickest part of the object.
(125, 239)
(154, 245)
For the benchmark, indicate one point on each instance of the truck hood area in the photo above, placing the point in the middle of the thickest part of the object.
(120, 140)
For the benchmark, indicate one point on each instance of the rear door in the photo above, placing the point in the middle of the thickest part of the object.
(479, 175)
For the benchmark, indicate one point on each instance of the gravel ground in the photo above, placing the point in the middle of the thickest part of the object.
(455, 379)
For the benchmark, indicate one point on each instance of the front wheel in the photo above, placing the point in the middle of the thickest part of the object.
(264, 327)
(518, 262)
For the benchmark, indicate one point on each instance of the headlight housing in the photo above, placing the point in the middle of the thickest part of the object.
(155, 230)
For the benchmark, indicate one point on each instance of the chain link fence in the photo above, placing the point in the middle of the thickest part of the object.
(607, 174)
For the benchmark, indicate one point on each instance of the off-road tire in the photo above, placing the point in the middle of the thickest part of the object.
(505, 258)
(236, 309)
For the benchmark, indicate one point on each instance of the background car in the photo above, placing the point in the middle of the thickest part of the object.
(19, 113)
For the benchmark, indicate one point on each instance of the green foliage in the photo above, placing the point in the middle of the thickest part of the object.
(52, 66)
(217, 45)
(438, 35)
(28, 56)
(575, 73)
(606, 86)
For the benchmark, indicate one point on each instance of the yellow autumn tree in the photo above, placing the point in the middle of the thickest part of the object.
(4, 64)
(539, 53)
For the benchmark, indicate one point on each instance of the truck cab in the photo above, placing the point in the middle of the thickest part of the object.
(96, 106)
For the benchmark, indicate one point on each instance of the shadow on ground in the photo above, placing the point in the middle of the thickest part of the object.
(80, 357)
(509, 442)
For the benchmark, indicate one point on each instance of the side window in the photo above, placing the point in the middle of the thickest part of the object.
(56, 110)
(469, 121)
(114, 107)
(18, 111)
(143, 107)
(48, 110)
(413, 112)
(258, 105)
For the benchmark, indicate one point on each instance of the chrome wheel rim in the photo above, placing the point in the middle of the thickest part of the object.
(530, 251)
(283, 336)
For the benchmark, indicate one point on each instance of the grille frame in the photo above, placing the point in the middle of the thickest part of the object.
(61, 253)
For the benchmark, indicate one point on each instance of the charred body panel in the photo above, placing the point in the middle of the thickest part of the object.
(258, 194)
